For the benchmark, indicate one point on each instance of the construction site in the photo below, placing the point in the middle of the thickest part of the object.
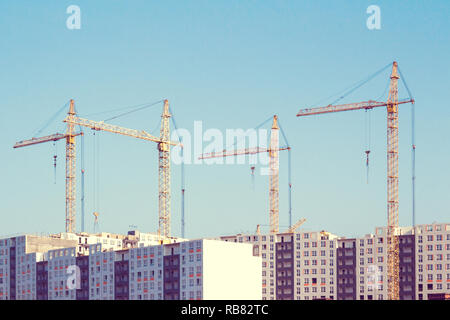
(290, 264)
(173, 200)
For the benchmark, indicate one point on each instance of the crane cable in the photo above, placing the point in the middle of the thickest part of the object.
(183, 187)
(95, 176)
(289, 173)
(52, 118)
(135, 110)
(82, 169)
(368, 121)
(54, 160)
(350, 89)
(413, 149)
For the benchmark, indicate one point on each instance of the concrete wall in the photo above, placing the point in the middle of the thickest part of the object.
(44, 244)
(230, 271)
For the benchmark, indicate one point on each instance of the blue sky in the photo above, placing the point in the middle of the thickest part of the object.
(229, 64)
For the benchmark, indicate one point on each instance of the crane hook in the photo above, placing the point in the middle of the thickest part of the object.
(367, 164)
(54, 163)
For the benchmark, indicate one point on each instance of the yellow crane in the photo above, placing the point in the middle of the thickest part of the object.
(273, 170)
(291, 229)
(163, 142)
(70, 165)
(392, 168)
(296, 225)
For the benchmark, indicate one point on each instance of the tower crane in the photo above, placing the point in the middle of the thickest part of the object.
(273, 170)
(296, 225)
(70, 165)
(391, 105)
(163, 143)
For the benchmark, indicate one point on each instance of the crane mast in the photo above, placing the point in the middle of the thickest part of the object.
(274, 163)
(392, 186)
(164, 173)
(70, 173)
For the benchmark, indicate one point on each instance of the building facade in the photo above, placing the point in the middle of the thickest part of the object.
(137, 267)
(284, 266)
(295, 266)
(320, 265)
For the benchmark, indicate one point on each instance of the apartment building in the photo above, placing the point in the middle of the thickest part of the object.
(432, 267)
(424, 264)
(284, 266)
(20, 261)
(194, 270)
(295, 266)
(109, 267)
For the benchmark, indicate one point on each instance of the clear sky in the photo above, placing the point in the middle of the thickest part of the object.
(230, 64)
